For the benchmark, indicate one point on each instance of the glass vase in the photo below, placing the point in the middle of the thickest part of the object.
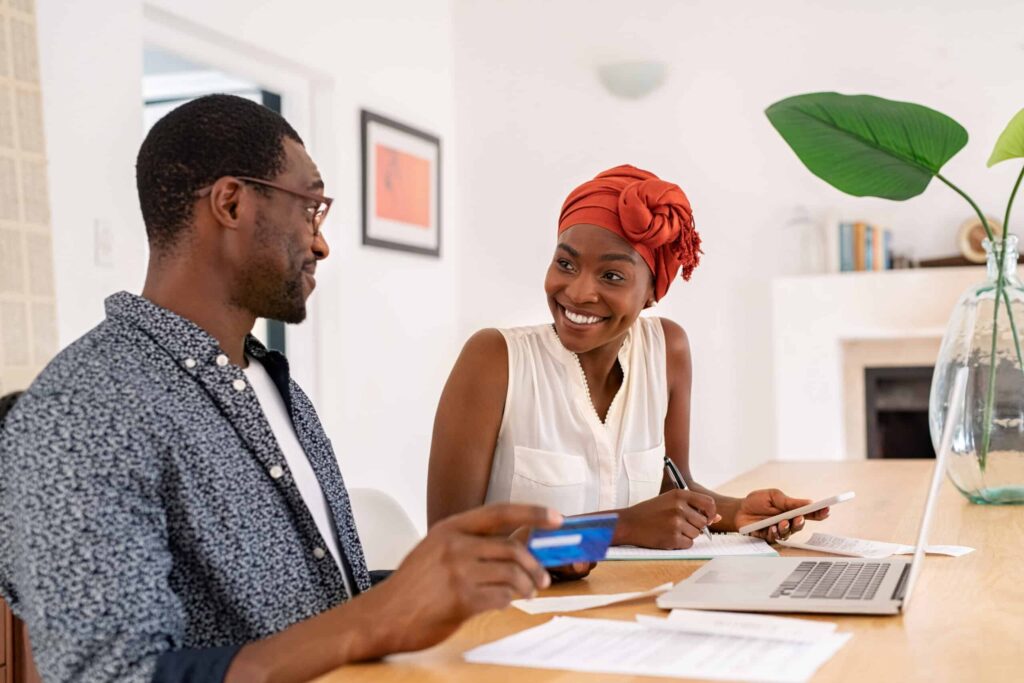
(987, 459)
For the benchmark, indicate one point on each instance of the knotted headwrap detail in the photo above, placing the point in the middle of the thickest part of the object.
(651, 214)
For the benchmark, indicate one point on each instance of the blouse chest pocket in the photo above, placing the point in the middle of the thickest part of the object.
(555, 480)
(644, 469)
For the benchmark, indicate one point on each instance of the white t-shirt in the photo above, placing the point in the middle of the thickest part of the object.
(298, 464)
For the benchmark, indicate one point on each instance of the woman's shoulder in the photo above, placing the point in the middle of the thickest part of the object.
(677, 344)
(484, 356)
(485, 347)
(492, 340)
(525, 332)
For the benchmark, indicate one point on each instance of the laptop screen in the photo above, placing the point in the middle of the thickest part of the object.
(956, 403)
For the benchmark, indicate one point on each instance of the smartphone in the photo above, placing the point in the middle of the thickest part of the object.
(579, 539)
(796, 512)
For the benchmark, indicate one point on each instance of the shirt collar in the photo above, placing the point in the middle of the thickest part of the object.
(569, 358)
(180, 337)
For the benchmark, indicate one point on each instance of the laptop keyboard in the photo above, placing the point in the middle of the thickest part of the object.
(833, 580)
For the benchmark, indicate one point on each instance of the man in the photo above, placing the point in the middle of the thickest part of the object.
(174, 509)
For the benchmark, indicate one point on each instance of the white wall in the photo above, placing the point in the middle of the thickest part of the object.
(533, 121)
(386, 328)
(91, 74)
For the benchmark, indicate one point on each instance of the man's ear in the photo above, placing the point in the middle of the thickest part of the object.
(225, 201)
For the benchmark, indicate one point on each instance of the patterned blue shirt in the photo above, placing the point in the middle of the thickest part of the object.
(147, 514)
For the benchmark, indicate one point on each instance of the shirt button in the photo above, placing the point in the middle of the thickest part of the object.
(239, 384)
(276, 472)
(190, 363)
(319, 553)
(222, 360)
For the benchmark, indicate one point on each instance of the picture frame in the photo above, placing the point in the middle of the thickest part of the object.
(401, 175)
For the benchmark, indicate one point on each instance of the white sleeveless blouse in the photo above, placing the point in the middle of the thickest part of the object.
(552, 448)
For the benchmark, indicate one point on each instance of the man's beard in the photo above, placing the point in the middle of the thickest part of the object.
(287, 303)
(262, 291)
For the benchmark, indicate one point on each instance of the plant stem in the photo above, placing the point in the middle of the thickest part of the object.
(984, 221)
(1006, 295)
(1013, 328)
(1009, 205)
(990, 398)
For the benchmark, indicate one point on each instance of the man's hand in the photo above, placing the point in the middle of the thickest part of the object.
(671, 520)
(765, 503)
(571, 572)
(568, 572)
(467, 564)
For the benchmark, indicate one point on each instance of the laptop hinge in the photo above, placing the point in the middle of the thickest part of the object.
(901, 585)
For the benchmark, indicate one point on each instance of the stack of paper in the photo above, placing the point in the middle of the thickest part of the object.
(859, 547)
(702, 549)
(696, 645)
(574, 603)
(739, 624)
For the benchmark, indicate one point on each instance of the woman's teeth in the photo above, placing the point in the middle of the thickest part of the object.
(581, 319)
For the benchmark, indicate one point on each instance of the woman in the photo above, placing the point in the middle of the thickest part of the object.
(579, 415)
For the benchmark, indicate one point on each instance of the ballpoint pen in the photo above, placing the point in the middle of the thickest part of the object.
(677, 478)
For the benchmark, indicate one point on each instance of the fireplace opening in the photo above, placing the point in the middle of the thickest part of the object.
(896, 408)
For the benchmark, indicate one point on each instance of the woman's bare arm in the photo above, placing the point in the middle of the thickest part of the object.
(466, 427)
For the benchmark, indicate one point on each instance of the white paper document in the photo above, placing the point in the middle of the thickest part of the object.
(623, 647)
(932, 549)
(573, 603)
(702, 549)
(739, 624)
(858, 547)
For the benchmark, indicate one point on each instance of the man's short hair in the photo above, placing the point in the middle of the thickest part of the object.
(194, 145)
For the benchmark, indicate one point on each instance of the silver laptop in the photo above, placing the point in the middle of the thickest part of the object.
(809, 584)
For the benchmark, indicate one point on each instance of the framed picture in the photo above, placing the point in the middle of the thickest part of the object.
(401, 186)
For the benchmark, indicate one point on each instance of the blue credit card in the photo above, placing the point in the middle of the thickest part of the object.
(579, 539)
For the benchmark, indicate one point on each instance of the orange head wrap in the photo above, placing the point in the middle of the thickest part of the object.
(651, 214)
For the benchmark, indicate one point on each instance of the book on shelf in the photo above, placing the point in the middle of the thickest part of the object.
(869, 247)
(859, 236)
(845, 246)
(860, 246)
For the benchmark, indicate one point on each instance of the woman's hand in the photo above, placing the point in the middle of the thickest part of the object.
(766, 503)
(669, 521)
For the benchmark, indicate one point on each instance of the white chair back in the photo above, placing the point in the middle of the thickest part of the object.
(385, 529)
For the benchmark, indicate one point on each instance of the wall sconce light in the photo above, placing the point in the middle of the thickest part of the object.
(632, 80)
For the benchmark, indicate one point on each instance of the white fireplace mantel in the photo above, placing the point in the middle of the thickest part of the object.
(823, 323)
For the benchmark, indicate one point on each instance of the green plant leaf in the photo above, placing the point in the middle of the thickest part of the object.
(1010, 144)
(867, 146)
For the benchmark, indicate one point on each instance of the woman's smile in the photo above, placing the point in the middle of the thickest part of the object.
(580, 318)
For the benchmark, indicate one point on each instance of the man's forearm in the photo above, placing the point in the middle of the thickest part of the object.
(351, 632)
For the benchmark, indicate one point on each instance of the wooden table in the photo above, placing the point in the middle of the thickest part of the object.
(966, 622)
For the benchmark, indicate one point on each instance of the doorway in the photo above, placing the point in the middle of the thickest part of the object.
(170, 80)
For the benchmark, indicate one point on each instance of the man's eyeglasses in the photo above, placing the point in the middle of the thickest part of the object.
(315, 213)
